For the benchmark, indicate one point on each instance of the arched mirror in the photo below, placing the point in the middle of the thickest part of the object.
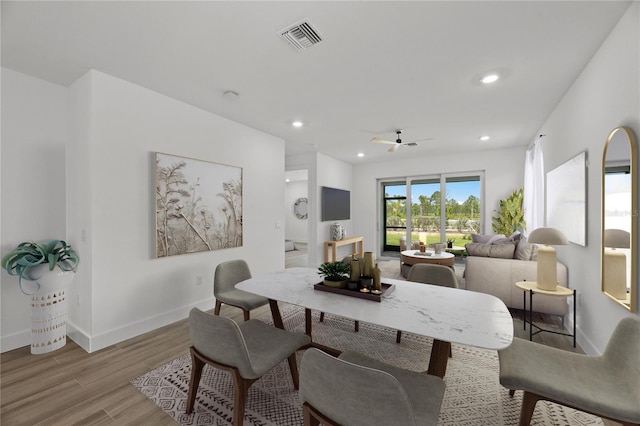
(619, 218)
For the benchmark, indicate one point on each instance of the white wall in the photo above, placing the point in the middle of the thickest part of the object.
(296, 228)
(503, 172)
(604, 96)
(116, 127)
(34, 134)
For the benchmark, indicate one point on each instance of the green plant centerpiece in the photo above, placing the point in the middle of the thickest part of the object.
(22, 260)
(336, 274)
(510, 216)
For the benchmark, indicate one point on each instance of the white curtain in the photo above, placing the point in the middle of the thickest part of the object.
(534, 187)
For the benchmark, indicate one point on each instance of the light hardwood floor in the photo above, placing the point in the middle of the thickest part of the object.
(72, 387)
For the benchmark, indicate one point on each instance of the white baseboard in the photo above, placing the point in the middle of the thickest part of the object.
(112, 337)
(101, 341)
(15, 341)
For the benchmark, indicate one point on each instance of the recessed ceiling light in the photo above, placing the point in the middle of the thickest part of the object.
(484, 138)
(361, 154)
(287, 180)
(490, 78)
(297, 124)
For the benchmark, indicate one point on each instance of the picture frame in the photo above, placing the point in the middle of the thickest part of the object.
(198, 205)
(567, 199)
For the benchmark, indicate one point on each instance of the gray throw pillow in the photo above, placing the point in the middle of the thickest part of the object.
(503, 251)
(497, 237)
(524, 250)
(477, 249)
(480, 238)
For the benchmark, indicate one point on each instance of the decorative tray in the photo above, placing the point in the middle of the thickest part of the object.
(386, 289)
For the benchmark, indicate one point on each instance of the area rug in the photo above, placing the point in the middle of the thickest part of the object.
(473, 395)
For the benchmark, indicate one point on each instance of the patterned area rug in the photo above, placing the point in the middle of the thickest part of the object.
(473, 395)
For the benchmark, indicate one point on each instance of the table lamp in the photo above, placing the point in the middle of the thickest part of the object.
(547, 268)
(615, 262)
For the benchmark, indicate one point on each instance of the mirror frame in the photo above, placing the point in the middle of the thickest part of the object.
(633, 293)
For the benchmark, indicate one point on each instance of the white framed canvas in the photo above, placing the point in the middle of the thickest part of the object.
(198, 205)
(567, 199)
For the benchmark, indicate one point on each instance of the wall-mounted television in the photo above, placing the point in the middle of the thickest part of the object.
(336, 204)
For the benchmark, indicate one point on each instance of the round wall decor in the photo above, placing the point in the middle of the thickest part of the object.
(301, 208)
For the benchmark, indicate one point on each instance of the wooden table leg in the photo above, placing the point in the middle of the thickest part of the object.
(439, 357)
(275, 313)
(307, 322)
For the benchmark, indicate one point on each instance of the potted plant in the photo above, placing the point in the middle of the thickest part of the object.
(25, 259)
(51, 266)
(336, 274)
(510, 216)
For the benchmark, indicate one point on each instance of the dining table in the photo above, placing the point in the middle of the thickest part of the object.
(448, 315)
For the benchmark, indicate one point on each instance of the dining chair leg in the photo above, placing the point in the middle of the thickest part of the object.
(529, 401)
(293, 366)
(398, 336)
(321, 316)
(196, 372)
(240, 397)
(309, 419)
(216, 311)
(356, 326)
(512, 392)
(247, 315)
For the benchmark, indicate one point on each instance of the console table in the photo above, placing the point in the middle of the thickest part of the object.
(358, 247)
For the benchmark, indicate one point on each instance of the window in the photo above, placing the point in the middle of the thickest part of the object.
(429, 222)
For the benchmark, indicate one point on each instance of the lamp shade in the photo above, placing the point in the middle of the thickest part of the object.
(617, 238)
(548, 236)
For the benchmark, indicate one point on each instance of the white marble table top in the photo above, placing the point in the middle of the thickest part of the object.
(448, 314)
(430, 254)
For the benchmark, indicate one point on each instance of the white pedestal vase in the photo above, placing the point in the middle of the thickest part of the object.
(48, 308)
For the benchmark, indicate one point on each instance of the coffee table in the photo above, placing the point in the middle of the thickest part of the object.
(445, 314)
(408, 258)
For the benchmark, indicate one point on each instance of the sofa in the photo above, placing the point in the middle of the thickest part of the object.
(494, 266)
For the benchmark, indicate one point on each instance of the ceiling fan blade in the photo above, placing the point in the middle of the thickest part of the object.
(420, 140)
(380, 140)
(395, 147)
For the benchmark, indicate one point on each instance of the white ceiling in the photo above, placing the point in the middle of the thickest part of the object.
(382, 65)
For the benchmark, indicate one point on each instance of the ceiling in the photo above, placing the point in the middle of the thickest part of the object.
(382, 65)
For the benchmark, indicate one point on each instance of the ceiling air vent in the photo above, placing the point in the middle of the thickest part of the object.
(301, 35)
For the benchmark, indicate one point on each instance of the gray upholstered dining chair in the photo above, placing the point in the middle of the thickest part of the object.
(428, 273)
(226, 276)
(355, 390)
(607, 386)
(247, 351)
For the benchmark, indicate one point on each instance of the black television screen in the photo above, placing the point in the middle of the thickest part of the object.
(336, 204)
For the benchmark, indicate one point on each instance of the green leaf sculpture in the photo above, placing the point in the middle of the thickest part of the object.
(28, 254)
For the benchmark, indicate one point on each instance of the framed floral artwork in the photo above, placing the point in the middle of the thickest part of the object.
(198, 205)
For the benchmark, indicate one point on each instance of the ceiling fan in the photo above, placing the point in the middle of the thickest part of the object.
(398, 142)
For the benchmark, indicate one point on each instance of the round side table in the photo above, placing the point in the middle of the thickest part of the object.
(531, 287)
